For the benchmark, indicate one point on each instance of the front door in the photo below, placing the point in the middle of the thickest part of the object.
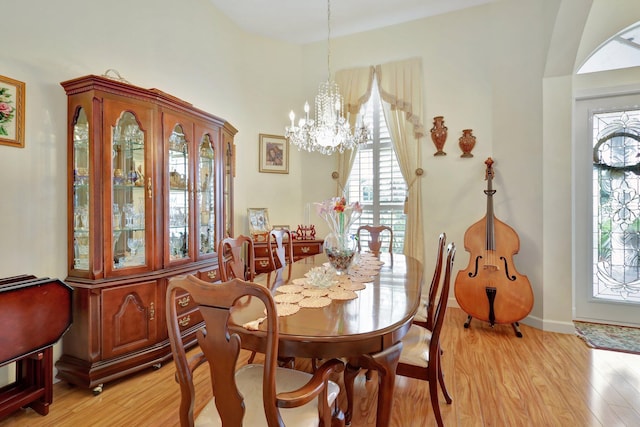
(607, 209)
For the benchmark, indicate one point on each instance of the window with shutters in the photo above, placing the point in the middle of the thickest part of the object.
(375, 180)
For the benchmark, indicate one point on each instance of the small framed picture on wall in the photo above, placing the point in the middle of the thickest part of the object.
(274, 154)
(11, 112)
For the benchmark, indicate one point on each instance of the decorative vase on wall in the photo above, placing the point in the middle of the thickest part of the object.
(439, 135)
(467, 142)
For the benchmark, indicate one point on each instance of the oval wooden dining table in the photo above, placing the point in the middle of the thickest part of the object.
(366, 331)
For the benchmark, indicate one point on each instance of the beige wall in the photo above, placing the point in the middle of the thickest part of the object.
(500, 69)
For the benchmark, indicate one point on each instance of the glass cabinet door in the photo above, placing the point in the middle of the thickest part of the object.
(228, 180)
(178, 195)
(206, 196)
(81, 191)
(128, 193)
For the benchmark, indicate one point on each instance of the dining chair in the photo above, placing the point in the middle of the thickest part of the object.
(420, 356)
(236, 258)
(255, 394)
(424, 316)
(280, 247)
(375, 241)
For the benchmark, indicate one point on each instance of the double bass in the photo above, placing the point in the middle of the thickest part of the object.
(490, 288)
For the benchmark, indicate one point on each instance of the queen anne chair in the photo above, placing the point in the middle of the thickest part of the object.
(280, 246)
(253, 395)
(236, 258)
(420, 357)
(424, 316)
(375, 241)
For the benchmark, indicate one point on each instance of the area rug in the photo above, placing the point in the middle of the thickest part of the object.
(609, 337)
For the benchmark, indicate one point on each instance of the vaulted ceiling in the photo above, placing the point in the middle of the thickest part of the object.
(305, 21)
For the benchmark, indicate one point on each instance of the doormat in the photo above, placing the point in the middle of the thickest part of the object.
(609, 337)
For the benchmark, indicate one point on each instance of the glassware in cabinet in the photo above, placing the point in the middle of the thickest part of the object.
(228, 186)
(81, 193)
(206, 195)
(179, 185)
(128, 209)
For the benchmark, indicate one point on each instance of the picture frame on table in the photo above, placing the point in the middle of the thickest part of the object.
(12, 105)
(274, 154)
(259, 225)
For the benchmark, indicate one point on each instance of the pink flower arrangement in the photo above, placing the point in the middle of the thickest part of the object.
(338, 214)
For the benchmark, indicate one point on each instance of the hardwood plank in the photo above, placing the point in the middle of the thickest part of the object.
(495, 378)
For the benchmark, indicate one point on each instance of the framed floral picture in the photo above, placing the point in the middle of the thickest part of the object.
(11, 112)
(274, 154)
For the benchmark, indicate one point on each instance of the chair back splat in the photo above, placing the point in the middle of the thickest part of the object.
(375, 241)
(280, 246)
(247, 396)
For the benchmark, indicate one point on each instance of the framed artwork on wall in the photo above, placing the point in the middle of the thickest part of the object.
(274, 154)
(12, 100)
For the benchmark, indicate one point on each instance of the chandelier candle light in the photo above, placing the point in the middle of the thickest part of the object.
(330, 131)
(339, 246)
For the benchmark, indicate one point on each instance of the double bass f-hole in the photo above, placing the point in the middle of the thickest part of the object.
(506, 270)
(474, 273)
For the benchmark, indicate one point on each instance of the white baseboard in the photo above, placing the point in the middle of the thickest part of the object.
(536, 322)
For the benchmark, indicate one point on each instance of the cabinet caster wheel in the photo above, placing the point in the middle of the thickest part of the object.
(156, 366)
(98, 389)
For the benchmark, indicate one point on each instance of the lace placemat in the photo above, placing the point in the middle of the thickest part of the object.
(315, 302)
(285, 309)
(288, 298)
(328, 287)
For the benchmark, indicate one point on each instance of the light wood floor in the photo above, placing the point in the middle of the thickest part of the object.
(496, 379)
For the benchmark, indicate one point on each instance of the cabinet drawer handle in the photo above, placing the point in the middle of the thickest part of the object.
(264, 264)
(305, 249)
(212, 274)
(184, 321)
(184, 301)
(152, 311)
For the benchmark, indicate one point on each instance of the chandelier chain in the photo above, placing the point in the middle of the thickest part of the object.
(330, 131)
(328, 39)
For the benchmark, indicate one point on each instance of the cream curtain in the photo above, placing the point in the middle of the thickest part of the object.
(355, 85)
(400, 86)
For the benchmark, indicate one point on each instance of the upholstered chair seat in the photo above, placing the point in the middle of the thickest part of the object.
(247, 377)
(415, 347)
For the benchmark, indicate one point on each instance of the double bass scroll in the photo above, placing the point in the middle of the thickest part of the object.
(490, 288)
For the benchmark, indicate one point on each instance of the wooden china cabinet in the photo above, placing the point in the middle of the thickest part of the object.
(150, 195)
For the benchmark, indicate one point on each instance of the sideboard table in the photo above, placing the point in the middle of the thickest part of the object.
(34, 313)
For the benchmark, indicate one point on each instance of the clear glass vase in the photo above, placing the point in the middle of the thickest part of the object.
(340, 249)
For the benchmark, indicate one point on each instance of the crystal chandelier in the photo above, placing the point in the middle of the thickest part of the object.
(330, 131)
